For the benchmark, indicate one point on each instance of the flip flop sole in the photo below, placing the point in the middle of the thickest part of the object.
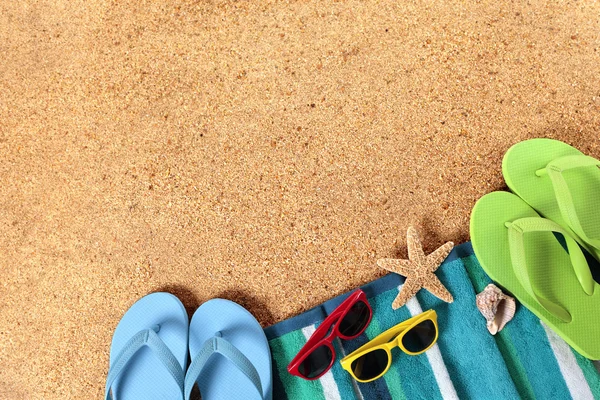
(145, 376)
(220, 378)
(549, 266)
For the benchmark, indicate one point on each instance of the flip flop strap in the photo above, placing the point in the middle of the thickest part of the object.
(563, 195)
(222, 346)
(149, 338)
(516, 230)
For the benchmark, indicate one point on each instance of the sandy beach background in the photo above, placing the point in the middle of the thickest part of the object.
(264, 152)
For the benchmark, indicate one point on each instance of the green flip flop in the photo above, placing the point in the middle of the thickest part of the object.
(560, 183)
(519, 250)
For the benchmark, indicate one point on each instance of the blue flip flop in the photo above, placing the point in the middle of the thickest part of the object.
(230, 354)
(149, 350)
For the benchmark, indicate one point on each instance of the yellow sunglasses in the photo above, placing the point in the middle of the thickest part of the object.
(372, 360)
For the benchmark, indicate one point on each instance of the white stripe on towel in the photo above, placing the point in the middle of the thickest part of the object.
(330, 388)
(572, 373)
(434, 356)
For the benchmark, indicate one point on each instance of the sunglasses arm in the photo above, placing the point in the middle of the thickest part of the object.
(321, 331)
(319, 334)
(326, 329)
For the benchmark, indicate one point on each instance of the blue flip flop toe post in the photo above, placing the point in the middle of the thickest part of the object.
(230, 354)
(148, 355)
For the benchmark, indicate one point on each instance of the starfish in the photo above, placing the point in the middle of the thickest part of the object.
(419, 270)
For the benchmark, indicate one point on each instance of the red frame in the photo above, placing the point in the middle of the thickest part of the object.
(320, 336)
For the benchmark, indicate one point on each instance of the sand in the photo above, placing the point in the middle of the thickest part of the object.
(264, 152)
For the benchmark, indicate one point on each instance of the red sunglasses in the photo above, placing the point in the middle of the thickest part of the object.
(347, 321)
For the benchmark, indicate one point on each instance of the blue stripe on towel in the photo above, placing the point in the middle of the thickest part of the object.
(414, 372)
(379, 388)
(531, 342)
(385, 314)
(464, 341)
(342, 378)
(371, 390)
(480, 280)
(385, 318)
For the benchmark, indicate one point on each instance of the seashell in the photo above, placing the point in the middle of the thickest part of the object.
(497, 307)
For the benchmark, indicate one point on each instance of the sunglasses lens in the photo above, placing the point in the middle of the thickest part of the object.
(370, 365)
(317, 362)
(419, 337)
(355, 319)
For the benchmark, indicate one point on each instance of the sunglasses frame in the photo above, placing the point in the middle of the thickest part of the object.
(321, 336)
(390, 339)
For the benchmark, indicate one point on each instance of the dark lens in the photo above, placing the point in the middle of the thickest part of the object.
(317, 362)
(355, 319)
(419, 337)
(370, 365)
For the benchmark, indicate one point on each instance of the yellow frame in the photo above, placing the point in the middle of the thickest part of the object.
(388, 340)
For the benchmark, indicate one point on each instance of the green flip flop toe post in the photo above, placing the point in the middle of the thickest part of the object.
(519, 250)
(560, 183)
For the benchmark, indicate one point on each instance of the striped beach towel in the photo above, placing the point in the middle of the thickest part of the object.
(525, 360)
